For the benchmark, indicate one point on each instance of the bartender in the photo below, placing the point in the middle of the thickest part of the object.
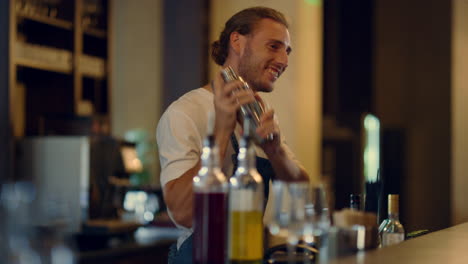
(256, 44)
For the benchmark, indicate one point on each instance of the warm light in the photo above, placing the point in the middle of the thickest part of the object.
(241, 170)
(371, 147)
(203, 171)
(233, 181)
(133, 198)
(130, 158)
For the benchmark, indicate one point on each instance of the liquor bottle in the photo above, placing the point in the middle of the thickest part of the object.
(392, 231)
(210, 189)
(246, 205)
(355, 202)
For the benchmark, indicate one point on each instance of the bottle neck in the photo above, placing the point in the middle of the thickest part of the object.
(210, 154)
(393, 208)
(394, 216)
(246, 158)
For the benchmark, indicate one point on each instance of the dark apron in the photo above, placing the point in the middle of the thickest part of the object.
(184, 254)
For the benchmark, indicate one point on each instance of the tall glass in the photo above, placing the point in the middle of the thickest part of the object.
(317, 212)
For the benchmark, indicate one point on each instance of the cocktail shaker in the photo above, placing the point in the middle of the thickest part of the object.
(254, 109)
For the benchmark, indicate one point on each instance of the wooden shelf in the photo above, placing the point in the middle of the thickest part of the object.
(43, 57)
(59, 60)
(42, 65)
(56, 22)
(92, 67)
(94, 32)
(92, 74)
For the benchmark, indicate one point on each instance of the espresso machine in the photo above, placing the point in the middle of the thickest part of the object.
(75, 171)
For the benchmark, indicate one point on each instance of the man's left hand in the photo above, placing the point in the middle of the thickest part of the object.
(270, 132)
(285, 167)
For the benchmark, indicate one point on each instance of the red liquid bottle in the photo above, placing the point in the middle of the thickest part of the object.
(210, 189)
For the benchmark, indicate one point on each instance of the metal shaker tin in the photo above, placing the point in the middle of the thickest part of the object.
(254, 109)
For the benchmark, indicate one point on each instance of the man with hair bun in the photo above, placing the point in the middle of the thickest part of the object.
(256, 44)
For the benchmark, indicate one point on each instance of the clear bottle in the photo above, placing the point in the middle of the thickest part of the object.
(210, 189)
(246, 205)
(391, 230)
(355, 202)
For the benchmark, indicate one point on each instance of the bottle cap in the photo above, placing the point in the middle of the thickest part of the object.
(393, 200)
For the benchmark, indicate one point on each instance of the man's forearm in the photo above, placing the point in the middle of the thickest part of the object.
(222, 140)
(178, 195)
(285, 167)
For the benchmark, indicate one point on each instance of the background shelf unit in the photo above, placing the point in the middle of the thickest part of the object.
(56, 22)
(59, 62)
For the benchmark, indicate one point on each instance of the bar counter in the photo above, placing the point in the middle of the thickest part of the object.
(150, 245)
(447, 246)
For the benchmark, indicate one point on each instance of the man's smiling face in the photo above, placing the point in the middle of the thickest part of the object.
(265, 56)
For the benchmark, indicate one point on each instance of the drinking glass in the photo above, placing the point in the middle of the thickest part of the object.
(296, 216)
(318, 220)
(317, 213)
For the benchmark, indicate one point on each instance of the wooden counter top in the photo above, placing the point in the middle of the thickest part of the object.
(447, 246)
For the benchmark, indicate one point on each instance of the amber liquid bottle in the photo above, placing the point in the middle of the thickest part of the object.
(246, 206)
(391, 231)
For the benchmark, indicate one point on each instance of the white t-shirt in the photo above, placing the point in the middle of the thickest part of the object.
(180, 135)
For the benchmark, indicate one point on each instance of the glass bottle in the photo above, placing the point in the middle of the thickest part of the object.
(392, 232)
(355, 202)
(246, 205)
(210, 208)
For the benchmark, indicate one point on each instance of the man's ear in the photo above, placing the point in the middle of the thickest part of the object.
(237, 42)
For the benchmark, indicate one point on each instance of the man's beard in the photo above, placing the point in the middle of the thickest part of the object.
(251, 72)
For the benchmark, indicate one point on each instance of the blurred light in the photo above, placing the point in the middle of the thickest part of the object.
(309, 239)
(130, 159)
(61, 255)
(148, 216)
(233, 181)
(152, 203)
(203, 171)
(133, 198)
(142, 196)
(143, 205)
(274, 229)
(241, 170)
(372, 147)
